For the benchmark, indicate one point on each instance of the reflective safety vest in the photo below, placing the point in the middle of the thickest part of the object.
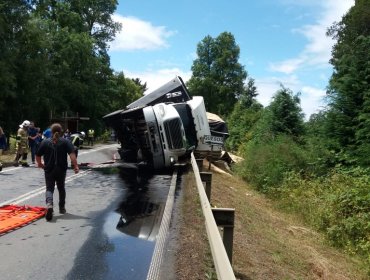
(76, 141)
(90, 133)
(22, 138)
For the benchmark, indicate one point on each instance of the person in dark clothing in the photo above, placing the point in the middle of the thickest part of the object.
(32, 135)
(54, 152)
(47, 133)
(67, 134)
(3, 141)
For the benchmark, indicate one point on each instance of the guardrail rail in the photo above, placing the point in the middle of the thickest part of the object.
(220, 257)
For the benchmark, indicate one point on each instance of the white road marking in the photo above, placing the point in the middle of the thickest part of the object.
(40, 190)
(5, 170)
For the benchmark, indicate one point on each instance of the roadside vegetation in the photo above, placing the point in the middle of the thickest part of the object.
(317, 169)
(270, 243)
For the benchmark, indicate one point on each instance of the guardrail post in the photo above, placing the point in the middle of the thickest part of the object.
(207, 178)
(225, 217)
(200, 163)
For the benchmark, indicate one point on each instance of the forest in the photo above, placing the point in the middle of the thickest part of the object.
(54, 60)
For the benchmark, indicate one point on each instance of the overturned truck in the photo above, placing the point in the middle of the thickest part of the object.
(163, 127)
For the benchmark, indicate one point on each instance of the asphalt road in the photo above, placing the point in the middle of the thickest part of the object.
(108, 231)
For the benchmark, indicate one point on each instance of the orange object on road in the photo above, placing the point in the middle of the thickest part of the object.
(14, 216)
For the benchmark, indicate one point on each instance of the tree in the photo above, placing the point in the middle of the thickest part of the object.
(249, 94)
(282, 117)
(138, 82)
(349, 91)
(96, 20)
(14, 15)
(245, 114)
(77, 70)
(286, 113)
(240, 123)
(123, 91)
(273, 144)
(217, 74)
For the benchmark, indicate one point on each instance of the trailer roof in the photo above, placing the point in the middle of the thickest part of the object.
(173, 91)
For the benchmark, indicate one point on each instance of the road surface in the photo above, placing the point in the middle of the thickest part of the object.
(108, 232)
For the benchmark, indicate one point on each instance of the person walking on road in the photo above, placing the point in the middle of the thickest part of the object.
(54, 152)
(22, 145)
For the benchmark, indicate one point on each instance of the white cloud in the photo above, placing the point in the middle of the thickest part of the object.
(287, 66)
(311, 100)
(317, 51)
(157, 78)
(315, 54)
(267, 87)
(137, 34)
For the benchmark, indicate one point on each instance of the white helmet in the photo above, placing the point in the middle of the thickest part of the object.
(25, 123)
(83, 134)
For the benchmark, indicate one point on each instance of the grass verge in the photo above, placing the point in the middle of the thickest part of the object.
(268, 243)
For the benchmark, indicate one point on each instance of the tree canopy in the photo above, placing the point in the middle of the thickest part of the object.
(349, 86)
(54, 61)
(217, 74)
(286, 113)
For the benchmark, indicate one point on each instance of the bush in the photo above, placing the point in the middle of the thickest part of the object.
(338, 205)
(265, 164)
(347, 217)
(105, 136)
(302, 197)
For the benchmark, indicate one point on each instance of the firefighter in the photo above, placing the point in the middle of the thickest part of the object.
(77, 140)
(90, 137)
(21, 148)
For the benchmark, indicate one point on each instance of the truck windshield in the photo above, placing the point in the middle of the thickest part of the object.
(188, 122)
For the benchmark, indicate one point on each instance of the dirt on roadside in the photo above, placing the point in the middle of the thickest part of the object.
(268, 244)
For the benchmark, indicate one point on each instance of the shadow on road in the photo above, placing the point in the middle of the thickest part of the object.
(69, 216)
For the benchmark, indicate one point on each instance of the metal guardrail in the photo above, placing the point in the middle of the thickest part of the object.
(220, 258)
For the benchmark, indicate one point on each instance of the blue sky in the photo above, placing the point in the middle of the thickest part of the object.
(281, 41)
